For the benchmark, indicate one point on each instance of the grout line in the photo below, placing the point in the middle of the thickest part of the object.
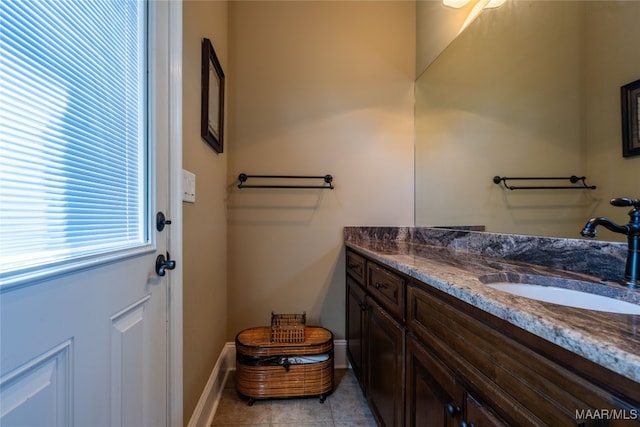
(344, 380)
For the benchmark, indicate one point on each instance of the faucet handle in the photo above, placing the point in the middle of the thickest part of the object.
(625, 201)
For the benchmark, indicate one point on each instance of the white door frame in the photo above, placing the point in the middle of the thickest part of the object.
(174, 377)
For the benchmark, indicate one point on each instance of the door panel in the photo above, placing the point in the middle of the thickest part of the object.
(127, 362)
(44, 382)
(115, 335)
(89, 348)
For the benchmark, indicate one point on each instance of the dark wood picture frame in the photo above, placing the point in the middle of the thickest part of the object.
(630, 97)
(212, 103)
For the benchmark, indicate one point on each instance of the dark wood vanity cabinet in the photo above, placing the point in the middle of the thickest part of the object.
(435, 397)
(356, 267)
(426, 358)
(375, 341)
(387, 288)
(356, 315)
(477, 415)
(355, 333)
(509, 376)
(385, 366)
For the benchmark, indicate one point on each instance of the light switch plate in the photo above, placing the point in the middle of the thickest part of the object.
(188, 187)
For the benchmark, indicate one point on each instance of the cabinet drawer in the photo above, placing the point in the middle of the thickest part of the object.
(387, 288)
(355, 267)
(520, 385)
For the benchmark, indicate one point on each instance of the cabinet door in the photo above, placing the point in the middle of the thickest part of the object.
(476, 415)
(356, 317)
(385, 362)
(433, 396)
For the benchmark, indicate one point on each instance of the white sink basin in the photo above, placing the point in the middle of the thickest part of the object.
(567, 297)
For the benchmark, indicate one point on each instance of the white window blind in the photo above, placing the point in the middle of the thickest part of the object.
(72, 130)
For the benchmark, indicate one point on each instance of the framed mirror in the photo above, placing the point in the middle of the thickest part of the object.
(528, 89)
(212, 102)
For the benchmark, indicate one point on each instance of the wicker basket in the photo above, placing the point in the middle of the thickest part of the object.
(288, 328)
(266, 370)
(296, 380)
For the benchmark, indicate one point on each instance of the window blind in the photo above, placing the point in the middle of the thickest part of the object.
(72, 130)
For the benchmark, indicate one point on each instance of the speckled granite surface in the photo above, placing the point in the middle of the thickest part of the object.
(460, 262)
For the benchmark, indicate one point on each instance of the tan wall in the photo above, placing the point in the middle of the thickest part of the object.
(610, 38)
(204, 228)
(315, 88)
(438, 27)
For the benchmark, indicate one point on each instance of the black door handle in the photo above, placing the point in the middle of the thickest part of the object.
(163, 264)
(161, 221)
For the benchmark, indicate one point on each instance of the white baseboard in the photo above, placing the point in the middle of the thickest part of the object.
(208, 403)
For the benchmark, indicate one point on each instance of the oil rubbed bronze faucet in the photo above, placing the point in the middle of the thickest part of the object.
(631, 230)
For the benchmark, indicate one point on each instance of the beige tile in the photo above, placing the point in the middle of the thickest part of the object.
(348, 402)
(310, 424)
(300, 411)
(366, 422)
(234, 411)
(345, 407)
(349, 409)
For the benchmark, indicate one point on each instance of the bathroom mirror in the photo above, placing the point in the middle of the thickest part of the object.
(531, 89)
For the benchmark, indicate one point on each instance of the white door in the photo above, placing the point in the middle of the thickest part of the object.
(89, 347)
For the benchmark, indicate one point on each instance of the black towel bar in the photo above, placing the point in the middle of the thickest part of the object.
(573, 179)
(328, 179)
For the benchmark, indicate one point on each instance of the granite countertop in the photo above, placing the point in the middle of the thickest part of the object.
(608, 339)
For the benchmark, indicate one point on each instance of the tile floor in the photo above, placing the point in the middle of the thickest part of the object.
(345, 407)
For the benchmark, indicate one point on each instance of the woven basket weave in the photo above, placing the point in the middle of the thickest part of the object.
(272, 370)
(288, 328)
